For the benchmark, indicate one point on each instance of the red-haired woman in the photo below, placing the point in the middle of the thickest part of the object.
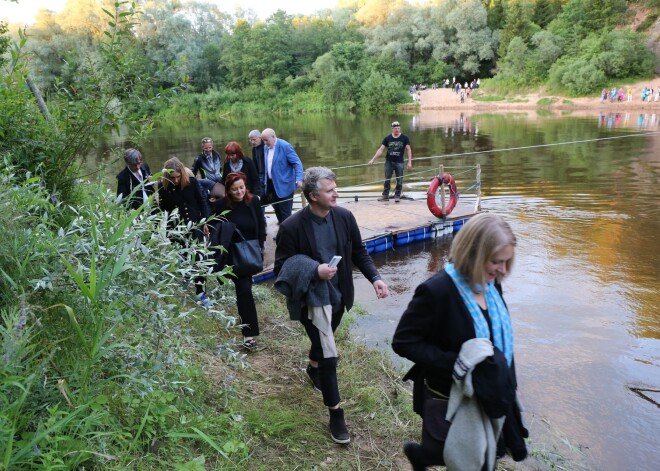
(244, 210)
(237, 162)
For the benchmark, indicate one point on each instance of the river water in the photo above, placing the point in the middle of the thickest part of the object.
(584, 293)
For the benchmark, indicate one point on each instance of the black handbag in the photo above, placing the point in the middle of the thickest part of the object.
(246, 256)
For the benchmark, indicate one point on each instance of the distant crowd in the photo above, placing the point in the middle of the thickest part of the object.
(615, 94)
(462, 90)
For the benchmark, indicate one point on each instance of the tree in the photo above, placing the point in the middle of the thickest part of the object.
(518, 23)
(544, 13)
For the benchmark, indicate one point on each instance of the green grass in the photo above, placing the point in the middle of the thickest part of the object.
(488, 98)
(546, 101)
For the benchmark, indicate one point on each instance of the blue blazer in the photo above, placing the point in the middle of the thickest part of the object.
(286, 170)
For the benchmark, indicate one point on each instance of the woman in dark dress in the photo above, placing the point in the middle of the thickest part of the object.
(180, 190)
(237, 162)
(135, 175)
(457, 320)
(243, 209)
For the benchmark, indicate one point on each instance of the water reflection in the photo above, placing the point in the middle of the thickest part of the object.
(646, 121)
(584, 291)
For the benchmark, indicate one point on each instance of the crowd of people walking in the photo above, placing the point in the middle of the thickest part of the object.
(456, 330)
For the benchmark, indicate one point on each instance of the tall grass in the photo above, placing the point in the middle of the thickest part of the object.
(95, 344)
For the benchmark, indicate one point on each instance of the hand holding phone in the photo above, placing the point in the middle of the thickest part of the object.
(335, 261)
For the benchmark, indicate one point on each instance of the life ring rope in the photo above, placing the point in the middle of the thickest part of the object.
(431, 195)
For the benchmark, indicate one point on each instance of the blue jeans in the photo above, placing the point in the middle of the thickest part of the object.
(396, 168)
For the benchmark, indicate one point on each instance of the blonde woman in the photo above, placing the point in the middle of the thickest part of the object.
(179, 190)
(456, 321)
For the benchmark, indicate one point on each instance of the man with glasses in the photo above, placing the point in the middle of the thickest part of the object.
(209, 165)
(395, 144)
(258, 158)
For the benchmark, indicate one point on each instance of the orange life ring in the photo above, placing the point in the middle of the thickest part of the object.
(431, 202)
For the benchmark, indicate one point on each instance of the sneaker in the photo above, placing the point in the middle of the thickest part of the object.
(412, 451)
(397, 198)
(313, 374)
(204, 300)
(338, 429)
(384, 198)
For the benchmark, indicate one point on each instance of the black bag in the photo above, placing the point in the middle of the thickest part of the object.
(246, 256)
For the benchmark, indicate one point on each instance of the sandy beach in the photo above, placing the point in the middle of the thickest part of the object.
(445, 99)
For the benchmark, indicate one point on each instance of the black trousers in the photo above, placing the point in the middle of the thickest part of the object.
(246, 308)
(327, 366)
(283, 207)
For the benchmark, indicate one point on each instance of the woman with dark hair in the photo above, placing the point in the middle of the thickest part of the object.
(180, 190)
(135, 175)
(242, 208)
(457, 331)
(237, 162)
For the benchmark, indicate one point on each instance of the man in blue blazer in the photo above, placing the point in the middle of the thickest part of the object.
(283, 175)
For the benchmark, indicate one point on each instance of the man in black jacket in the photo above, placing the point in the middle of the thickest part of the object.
(209, 166)
(320, 231)
(258, 158)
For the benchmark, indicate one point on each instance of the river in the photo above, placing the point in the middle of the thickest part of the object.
(584, 293)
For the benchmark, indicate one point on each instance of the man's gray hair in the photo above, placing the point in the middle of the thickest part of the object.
(132, 156)
(254, 133)
(312, 177)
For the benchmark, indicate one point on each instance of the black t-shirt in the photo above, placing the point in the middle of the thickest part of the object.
(396, 147)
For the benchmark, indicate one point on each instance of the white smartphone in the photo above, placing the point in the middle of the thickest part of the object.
(335, 261)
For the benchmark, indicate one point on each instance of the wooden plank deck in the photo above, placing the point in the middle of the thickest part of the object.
(383, 225)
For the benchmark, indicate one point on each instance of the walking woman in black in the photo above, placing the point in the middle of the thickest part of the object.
(180, 190)
(243, 208)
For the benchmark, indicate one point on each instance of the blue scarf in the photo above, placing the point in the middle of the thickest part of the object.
(497, 311)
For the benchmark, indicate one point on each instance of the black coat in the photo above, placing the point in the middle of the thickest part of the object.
(192, 204)
(250, 172)
(296, 236)
(127, 181)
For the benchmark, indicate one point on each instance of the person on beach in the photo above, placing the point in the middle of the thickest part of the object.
(283, 174)
(457, 332)
(395, 143)
(136, 174)
(208, 165)
(318, 292)
(179, 190)
(244, 210)
(236, 161)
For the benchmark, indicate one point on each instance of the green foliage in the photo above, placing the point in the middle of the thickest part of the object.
(518, 23)
(601, 58)
(94, 94)
(381, 91)
(647, 23)
(93, 333)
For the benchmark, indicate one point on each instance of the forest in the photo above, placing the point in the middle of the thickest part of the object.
(362, 54)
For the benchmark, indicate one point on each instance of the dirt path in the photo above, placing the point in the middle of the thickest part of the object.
(445, 99)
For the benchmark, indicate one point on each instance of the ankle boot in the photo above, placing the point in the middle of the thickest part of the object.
(338, 429)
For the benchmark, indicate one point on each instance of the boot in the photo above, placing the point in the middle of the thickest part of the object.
(338, 429)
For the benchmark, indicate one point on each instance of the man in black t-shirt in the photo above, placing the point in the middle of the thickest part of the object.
(395, 144)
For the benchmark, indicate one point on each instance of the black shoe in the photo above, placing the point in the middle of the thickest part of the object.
(412, 451)
(338, 429)
(313, 374)
(384, 198)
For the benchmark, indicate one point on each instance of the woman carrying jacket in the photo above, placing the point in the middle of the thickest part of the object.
(453, 315)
